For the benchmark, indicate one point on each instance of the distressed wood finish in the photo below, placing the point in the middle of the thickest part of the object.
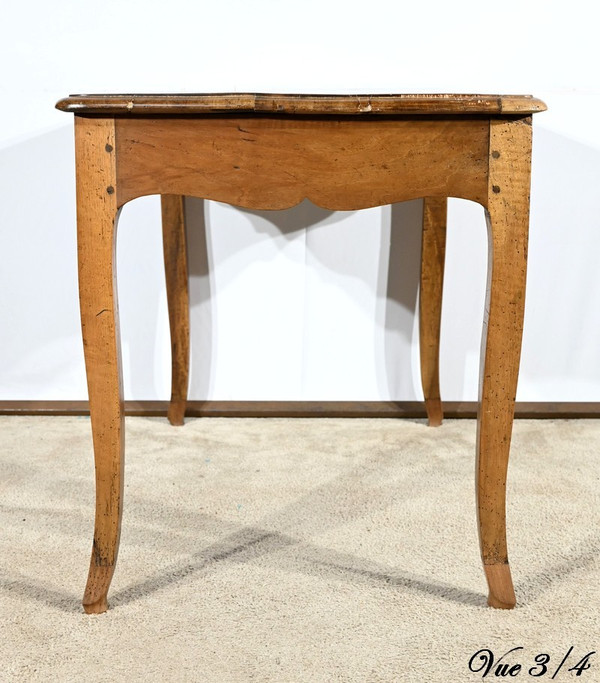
(433, 254)
(270, 152)
(263, 103)
(176, 273)
(508, 224)
(275, 163)
(97, 216)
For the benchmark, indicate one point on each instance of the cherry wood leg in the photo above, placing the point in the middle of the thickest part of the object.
(433, 254)
(97, 217)
(507, 219)
(176, 272)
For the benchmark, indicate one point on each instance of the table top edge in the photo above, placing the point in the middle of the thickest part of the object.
(265, 103)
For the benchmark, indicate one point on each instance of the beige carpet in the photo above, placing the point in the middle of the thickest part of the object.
(294, 550)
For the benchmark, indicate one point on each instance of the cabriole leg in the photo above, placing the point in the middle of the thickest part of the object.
(176, 272)
(507, 219)
(97, 217)
(430, 303)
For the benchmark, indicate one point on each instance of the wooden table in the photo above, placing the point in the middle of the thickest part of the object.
(343, 152)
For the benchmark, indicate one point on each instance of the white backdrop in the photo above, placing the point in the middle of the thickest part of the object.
(303, 304)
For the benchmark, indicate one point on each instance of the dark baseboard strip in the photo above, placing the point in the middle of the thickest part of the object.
(396, 409)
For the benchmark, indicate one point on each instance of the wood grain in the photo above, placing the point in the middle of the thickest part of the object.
(176, 274)
(265, 103)
(508, 220)
(97, 216)
(275, 163)
(433, 255)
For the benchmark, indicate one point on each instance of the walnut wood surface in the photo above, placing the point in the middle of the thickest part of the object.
(433, 254)
(176, 274)
(275, 163)
(97, 215)
(263, 103)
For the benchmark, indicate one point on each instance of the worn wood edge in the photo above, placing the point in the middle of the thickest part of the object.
(219, 103)
(395, 409)
(517, 104)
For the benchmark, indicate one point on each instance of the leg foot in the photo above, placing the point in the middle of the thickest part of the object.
(98, 607)
(435, 413)
(501, 592)
(96, 590)
(176, 412)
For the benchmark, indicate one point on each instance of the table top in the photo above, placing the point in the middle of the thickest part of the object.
(263, 103)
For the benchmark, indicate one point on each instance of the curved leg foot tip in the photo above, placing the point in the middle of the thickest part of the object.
(96, 590)
(176, 413)
(97, 607)
(497, 604)
(502, 593)
(435, 415)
